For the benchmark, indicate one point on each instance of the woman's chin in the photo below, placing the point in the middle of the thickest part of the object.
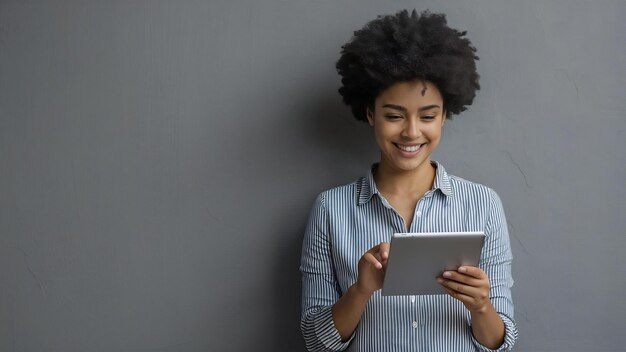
(408, 165)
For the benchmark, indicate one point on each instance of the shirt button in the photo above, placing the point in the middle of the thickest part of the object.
(414, 324)
(418, 213)
(412, 299)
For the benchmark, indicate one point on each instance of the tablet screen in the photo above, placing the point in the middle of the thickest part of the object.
(417, 259)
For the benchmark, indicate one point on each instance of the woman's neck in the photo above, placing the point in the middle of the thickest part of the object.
(393, 181)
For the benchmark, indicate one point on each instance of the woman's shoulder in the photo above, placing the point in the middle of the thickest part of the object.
(341, 190)
(463, 182)
(471, 190)
(343, 194)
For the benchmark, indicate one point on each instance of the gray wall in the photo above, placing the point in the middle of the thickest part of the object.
(158, 160)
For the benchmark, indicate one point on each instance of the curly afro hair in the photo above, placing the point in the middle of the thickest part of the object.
(403, 47)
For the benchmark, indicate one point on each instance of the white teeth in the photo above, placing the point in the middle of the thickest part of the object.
(409, 148)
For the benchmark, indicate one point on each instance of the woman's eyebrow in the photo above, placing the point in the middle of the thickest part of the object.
(403, 109)
(395, 107)
(428, 107)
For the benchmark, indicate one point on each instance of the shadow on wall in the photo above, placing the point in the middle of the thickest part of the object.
(337, 139)
(287, 294)
(332, 127)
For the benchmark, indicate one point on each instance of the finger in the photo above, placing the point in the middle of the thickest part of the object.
(458, 295)
(384, 250)
(466, 279)
(465, 298)
(456, 286)
(373, 249)
(472, 271)
(369, 257)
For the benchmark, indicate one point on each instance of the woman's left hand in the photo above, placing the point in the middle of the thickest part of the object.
(470, 285)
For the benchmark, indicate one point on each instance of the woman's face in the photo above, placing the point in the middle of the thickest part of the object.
(407, 120)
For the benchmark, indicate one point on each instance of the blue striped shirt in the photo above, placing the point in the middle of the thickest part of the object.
(348, 220)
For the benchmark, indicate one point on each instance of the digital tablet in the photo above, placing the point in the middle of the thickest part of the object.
(417, 259)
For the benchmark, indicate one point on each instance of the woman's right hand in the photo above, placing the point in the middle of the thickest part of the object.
(372, 267)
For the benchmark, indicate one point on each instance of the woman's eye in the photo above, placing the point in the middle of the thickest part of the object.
(428, 117)
(392, 117)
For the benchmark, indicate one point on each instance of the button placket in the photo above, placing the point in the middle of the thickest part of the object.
(417, 215)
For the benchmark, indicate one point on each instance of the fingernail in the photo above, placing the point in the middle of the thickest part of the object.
(379, 266)
(462, 269)
(447, 274)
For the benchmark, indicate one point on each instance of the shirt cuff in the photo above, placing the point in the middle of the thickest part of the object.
(326, 332)
(510, 336)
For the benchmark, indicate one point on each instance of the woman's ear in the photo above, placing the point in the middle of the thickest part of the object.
(445, 117)
(370, 116)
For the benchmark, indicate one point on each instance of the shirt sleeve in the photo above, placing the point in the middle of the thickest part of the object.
(496, 262)
(320, 289)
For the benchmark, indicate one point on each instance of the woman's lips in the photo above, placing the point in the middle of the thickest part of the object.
(409, 149)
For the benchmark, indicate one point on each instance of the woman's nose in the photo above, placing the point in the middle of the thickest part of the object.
(411, 129)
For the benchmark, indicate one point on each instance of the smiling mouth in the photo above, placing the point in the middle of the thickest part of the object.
(409, 148)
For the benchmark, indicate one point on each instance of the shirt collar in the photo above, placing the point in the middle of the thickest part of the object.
(366, 187)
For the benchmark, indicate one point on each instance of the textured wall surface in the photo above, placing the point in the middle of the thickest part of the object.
(158, 160)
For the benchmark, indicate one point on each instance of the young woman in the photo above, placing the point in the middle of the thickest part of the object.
(405, 75)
